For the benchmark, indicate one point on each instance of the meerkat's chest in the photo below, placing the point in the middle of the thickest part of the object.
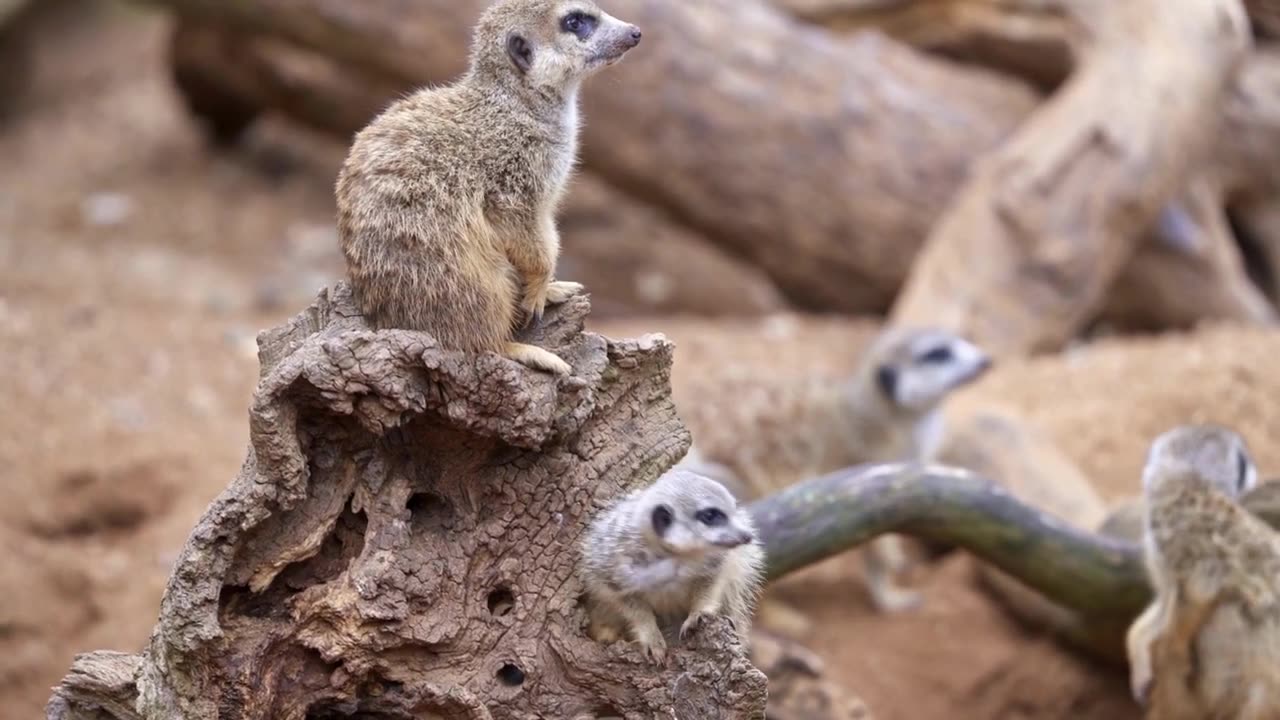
(669, 585)
(564, 154)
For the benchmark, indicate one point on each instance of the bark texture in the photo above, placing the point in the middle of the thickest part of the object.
(826, 180)
(402, 539)
(1057, 212)
(633, 257)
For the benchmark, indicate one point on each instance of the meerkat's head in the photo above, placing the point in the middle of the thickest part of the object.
(690, 515)
(1212, 453)
(548, 46)
(915, 369)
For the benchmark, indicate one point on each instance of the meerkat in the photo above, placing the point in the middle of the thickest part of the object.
(1209, 644)
(678, 551)
(889, 410)
(446, 201)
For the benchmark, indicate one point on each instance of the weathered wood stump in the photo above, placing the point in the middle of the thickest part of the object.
(402, 539)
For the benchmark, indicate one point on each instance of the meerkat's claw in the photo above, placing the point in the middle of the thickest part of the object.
(654, 648)
(561, 290)
(534, 305)
(692, 624)
(537, 358)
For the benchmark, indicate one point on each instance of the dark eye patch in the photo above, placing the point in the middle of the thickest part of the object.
(887, 381)
(661, 519)
(712, 517)
(579, 23)
(937, 356)
(1242, 465)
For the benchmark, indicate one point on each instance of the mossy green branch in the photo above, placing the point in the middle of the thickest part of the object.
(811, 521)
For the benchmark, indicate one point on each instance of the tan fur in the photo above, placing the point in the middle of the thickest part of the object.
(1209, 645)
(771, 436)
(446, 202)
(641, 583)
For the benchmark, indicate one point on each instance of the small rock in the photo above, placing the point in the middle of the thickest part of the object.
(106, 209)
(654, 287)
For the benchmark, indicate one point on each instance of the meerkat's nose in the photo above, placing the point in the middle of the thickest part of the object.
(634, 36)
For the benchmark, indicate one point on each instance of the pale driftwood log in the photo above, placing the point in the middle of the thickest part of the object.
(1031, 244)
(1197, 275)
(633, 258)
(1026, 37)
(826, 170)
(1189, 270)
(403, 537)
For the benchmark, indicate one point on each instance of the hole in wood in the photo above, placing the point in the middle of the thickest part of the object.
(501, 602)
(421, 503)
(510, 675)
(428, 512)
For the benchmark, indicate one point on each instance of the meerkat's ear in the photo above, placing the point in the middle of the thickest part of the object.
(520, 52)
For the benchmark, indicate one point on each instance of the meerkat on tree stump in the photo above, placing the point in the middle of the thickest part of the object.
(446, 201)
(678, 551)
(1209, 644)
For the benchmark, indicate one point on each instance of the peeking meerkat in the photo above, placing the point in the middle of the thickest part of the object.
(1209, 644)
(766, 438)
(446, 201)
(678, 551)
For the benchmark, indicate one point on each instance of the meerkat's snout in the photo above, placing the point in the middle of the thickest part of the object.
(734, 538)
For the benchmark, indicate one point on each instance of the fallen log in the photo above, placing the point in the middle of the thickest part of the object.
(632, 257)
(1024, 257)
(827, 181)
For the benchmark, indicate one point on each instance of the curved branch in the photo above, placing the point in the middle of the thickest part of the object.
(816, 519)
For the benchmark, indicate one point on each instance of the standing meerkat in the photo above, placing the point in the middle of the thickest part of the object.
(1209, 644)
(678, 551)
(447, 199)
(767, 438)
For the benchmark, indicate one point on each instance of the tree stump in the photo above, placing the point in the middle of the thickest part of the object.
(402, 541)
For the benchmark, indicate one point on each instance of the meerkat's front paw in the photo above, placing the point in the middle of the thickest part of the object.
(537, 358)
(561, 290)
(534, 304)
(654, 647)
(693, 623)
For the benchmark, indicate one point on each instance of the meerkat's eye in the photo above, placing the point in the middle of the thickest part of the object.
(579, 23)
(661, 519)
(712, 517)
(1242, 479)
(887, 379)
(937, 356)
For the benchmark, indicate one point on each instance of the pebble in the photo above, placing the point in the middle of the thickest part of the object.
(106, 209)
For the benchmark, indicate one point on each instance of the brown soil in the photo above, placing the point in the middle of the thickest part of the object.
(136, 267)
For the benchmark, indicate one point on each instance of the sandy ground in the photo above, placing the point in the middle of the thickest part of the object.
(136, 267)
